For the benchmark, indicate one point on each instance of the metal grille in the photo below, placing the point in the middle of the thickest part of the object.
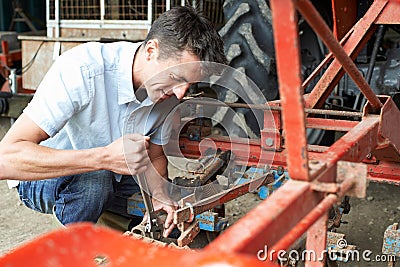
(126, 10)
(213, 10)
(159, 8)
(130, 9)
(77, 9)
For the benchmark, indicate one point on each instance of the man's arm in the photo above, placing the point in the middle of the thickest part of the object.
(22, 158)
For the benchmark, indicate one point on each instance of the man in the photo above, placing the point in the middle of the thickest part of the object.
(68, 148)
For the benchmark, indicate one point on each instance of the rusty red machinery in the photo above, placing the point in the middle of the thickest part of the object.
(7, 61)
(320, 176)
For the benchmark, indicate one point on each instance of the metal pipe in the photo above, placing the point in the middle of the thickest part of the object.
(288, 65)
(311, 15)
(102, 11)
(277, 108)
(57, 18)
(304, 224)
(379, 36)
(150, 12)
(370, 71)
(264, 224)
(323, 63)
(314, 215)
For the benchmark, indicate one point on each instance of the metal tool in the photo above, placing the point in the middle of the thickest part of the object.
(153, 226)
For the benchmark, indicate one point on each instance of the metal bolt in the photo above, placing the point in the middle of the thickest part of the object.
(269, 141)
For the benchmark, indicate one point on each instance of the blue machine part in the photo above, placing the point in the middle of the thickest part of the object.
(136, 205)
(209, 221)
(280, 178)
(252, 173)
(391, 241)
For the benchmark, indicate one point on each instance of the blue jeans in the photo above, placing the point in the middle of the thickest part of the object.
(78, 198)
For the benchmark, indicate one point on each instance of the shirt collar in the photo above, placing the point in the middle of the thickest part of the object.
(126, 92)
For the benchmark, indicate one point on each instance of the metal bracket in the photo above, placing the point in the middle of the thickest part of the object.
(188, 233)
(349, 175)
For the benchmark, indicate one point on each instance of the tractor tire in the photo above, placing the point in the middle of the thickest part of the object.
(249, 47)
(249, 43)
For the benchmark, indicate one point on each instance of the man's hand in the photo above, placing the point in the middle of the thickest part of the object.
(128, 155)
(162, 202)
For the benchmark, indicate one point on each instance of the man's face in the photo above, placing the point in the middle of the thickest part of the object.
(172, 76)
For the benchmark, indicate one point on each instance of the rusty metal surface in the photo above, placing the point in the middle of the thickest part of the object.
(206, 168)
(388, 149)
(353, 146)
(8, 58)
(184, 213)
(308, 221)
(339, 113)
(324, 62)
(357, 173)
(391, 240)
(86, 245)
(385, 171)
(188, 233)
(290, 90)
(330, 124)
(271, 138)
(361, 32)
(390, 14)
(312, 16)
(299, 205)
(164, 243)
(316, 237)
(285, 207)
(337, 244)
(344, 16)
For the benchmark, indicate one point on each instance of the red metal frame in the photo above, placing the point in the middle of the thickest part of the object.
(296, 206)
(7, 60)
(317, 178)
(85, 245)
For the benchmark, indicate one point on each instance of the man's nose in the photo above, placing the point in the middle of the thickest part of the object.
(179, 91)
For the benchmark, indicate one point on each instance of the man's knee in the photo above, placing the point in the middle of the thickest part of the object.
(76, 198)
(85, 197)
(37, 195)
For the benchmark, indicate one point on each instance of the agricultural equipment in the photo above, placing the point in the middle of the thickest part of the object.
(348, 87)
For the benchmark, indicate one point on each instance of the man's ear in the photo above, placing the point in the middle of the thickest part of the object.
(152, 49)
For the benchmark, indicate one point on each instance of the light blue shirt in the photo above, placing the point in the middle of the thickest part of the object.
(87, 99)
